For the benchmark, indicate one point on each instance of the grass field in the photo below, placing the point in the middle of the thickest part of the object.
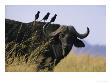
(71, 63)
(81, 63)
(19, 65)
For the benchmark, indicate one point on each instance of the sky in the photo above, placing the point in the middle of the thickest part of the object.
(79, 16)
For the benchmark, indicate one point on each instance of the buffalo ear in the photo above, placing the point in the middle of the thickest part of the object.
(78, 43)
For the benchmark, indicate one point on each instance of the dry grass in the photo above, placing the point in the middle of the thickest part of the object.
(21, 68)
(19, 65)
(71, 63)
(81, 63)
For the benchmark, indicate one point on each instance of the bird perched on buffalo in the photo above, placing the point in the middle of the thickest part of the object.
(46, 17)
(37, 15)
(53, 18)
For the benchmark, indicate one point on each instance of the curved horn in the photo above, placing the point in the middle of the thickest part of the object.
(81, 36)
(56, 32)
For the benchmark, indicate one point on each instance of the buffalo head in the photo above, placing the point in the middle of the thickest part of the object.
(67, 36)
(62, 40)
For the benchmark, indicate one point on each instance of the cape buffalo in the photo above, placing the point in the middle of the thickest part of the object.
(62, 40)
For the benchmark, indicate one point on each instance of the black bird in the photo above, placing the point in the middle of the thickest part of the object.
(46, 17)
(53, 18)
(37, 15)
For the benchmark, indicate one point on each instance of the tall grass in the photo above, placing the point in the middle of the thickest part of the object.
(81, 63)
(71, 63)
